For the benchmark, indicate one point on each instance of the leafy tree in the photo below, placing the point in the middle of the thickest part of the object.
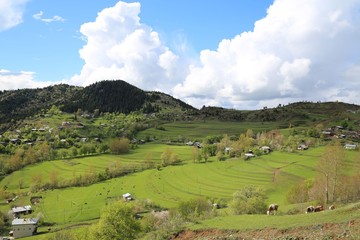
(196, 154)
(54, 178)
(329, 171)
(194, 208)
(54, 110)
(118, 146)
(249, 200)
(37, 181)
(117, 222)
(299, 193)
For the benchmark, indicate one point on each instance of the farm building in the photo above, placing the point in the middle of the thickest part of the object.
(249, 155)
(127, 197)
(24, 227)
(303, 147)
(266, 149)
(17, 211)
(350, 146)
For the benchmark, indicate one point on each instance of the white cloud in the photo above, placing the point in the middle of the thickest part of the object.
(11, 13)
(119, 46)
(302, 50)
(17, 80)
(39, 16)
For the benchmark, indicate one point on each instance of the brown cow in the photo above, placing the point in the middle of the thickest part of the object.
(319, 208)
(272, 209)
(331, 207)
(311, 209)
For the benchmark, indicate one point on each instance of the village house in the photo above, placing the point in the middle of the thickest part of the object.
(349, 146)
(24, 227)
(17, 211)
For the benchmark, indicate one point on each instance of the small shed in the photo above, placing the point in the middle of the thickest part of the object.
(17, 211)
(127, 197)
(249, 155)
(24, 227)
(266, 149)
(350, 146)
(303, 147)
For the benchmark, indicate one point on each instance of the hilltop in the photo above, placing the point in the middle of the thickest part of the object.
(106, 96)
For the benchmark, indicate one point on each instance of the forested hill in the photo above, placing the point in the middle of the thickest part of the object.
(106, 96)
(122, 97)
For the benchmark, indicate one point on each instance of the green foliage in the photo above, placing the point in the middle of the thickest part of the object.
(299, 193)
(168, 157)
(249, 200)
(54, 110)
(194, 208)
(117, 221)
(119, 146)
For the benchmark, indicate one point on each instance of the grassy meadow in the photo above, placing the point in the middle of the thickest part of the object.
(215, 180)
(193, 130)
(166, 187)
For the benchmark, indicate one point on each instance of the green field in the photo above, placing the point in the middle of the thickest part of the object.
(216, 180)
(198, 129)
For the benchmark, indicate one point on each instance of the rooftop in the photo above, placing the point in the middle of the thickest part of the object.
(24, 221)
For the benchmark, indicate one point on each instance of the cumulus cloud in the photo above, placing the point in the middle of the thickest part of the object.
(11, 13)
(39, 16)
(17, 80)
(302, 50)
(119, 46)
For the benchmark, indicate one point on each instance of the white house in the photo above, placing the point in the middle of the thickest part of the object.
(24, 227)
(21, 210)
(350, 146)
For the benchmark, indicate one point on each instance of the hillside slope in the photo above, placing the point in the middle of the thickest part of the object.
(106, 96)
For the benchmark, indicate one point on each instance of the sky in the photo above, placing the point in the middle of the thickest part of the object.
(242, 54)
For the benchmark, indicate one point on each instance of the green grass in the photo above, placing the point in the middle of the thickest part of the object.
(67, 169)
(176, 183)
(170, 185)
(198, 129)
(253, 222)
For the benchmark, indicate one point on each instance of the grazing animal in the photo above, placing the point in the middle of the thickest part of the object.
(319, 208)
(272, 209)
(331, 207)
(310, 209)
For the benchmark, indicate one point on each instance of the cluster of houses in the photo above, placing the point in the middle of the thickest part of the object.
(21, 226)
(17, 135)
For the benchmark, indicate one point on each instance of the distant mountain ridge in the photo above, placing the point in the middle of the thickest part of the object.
(122, 97)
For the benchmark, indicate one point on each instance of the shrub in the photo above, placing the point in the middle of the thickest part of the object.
(119, 146)
(249, 200)
(194, 208)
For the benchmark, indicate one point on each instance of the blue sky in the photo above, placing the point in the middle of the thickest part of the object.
(243, 54)
(50, 49)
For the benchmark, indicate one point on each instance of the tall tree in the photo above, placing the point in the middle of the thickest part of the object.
(117, 222)
(329, 168)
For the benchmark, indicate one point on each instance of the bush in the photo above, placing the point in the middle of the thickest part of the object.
(119, 146)
(117, 222)
(249, 200)
(194, 208)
